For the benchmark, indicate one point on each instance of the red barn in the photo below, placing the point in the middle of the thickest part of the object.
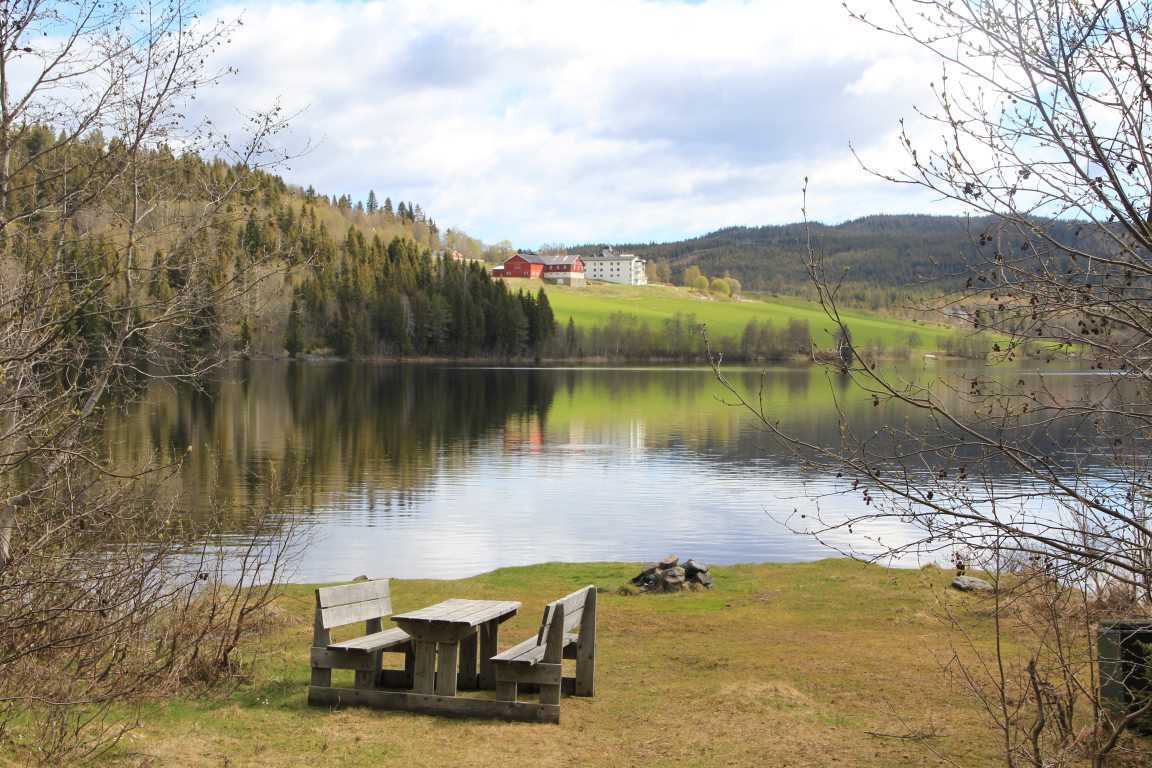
(558, 268)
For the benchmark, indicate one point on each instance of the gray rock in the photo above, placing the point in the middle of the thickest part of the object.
(672, 579)
(971, 584)
(691, 568)
(704, 579)
(669, 562)
(646, 576)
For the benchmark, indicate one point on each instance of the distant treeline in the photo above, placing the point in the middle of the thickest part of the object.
(880, 257)
(683, 338)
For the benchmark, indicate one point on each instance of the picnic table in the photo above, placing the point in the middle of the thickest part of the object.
(445, 640)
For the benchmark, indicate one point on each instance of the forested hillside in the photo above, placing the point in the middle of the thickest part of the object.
(881, 252)
(317, 273)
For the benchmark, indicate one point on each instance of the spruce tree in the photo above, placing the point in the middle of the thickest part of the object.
(388, 208)
(547, 319)
(570, 336)
(245, 337)
(371, 205)
(292, 341)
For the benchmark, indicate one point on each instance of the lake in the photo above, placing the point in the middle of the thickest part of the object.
(427, 471)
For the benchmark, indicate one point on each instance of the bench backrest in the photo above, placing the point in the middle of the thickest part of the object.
(349, 603)
(563, 615)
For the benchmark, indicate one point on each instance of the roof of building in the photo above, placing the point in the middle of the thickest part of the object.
(608, 254)
(551, 260)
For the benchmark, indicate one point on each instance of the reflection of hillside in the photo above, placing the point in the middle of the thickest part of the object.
(373, 442)
(679, 410)
(364, 436)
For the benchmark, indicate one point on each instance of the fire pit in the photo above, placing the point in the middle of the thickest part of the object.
(669, 576)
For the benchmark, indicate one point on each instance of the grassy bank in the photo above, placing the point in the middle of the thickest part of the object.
(779, 665)
(594, 304)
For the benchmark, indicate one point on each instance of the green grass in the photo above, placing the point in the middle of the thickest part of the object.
(778, 665)
(594, 304)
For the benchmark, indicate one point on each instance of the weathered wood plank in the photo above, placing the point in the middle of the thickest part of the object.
(506, 690)
(573, 606)
(424, 666)
(467, 677)
(447, 659)
(437, 633)
(489, 645)
(528, 652)
(322, 657)
(457, 611)
(544, 674)
(429, 612)
(339, 615)
(386, 639)
(359, 592)
(453, 706)
(586, 649)
(395, 678)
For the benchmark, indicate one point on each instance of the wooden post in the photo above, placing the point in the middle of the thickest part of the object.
(321, 676)
(489, 642)
(467, 677)
(447, 657)
(424, 653)
(586, 648)
(506, 690)
(371, 678)
(409, 666)
(554, 654)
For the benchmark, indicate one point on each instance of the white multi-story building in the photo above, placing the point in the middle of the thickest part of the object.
(612, 267)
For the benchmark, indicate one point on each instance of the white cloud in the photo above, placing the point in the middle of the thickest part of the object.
(609, 120)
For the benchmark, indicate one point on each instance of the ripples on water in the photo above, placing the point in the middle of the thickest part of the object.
(441, 472)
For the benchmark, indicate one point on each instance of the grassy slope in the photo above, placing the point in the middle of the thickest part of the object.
(780, 665)
(594, 304)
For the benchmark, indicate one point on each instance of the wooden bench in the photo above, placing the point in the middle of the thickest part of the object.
(538, 661)
(370, 602)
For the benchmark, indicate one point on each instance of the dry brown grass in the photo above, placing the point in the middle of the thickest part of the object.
(782, 665)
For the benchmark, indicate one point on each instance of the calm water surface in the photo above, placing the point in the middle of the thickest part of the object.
(441, 472)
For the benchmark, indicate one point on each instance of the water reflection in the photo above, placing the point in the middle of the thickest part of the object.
(437, 471)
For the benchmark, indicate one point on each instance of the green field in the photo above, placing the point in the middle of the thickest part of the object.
(592, 305)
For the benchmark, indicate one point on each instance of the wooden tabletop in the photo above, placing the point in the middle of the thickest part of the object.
(458, 612)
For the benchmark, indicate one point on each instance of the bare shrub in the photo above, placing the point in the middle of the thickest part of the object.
(117, 265)
(1040, 128)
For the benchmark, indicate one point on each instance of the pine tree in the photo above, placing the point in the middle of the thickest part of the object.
(570, 337)
(402, 212)
(245, 337)
(292, 341)
(253, 237)
(547, 319)
(372, 205)
(388, 208)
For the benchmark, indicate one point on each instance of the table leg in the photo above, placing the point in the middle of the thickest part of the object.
(467, 677)
(424, 662)
(489, 647)
(447, 655)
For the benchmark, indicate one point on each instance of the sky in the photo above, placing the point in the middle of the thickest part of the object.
(592, 121)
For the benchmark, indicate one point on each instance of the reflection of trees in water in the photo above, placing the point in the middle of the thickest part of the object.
(361, 435)
(369, 439)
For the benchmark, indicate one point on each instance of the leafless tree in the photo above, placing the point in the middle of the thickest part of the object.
(1042, 128)
(112, 272)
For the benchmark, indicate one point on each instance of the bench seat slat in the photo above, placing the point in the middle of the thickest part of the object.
(376, 641)
(527, 652)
